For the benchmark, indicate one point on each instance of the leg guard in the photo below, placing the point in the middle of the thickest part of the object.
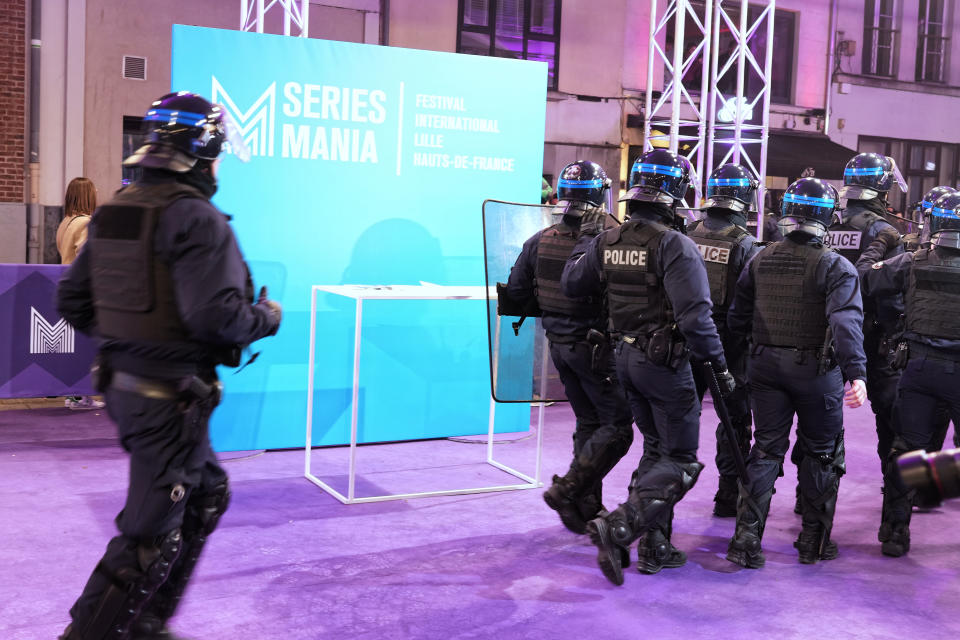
(795, 457)
(663, 486)
(130, 589)
(725, 500)
(894, 530)
(201, 518)
(576, 495)
(744, 548)
(819, 483)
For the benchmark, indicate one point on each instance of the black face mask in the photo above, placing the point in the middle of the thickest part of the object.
(876, 205)
(200, 177)
(728, 215)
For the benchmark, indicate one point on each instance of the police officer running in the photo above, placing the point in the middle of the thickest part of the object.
(726, 246)
(658, 299)
(579, 345)
(867, 179)
(163, 286)
(789, 300)
(929, 279)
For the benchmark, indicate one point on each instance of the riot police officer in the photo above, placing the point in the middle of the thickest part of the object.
(658, 298)
(867, 179)
(929, 280)
(163, 286)
(789, 300)
(579, 345)
(726, 246)
(911, 242)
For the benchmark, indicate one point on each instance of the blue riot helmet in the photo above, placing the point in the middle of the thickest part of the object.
(921, 210)
(942, 226)
(183, 128)
(808, 206)
(659, 176)
(868, 175)
(731, 187)
(582, 187)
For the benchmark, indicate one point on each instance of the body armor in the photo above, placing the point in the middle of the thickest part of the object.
(133, 291)
(638, 304)
(789, 309)
(847, 238)
(717, 249)
(933, 295)
(555, 246)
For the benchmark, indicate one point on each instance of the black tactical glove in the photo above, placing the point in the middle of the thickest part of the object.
(272, 306)
(725, 381)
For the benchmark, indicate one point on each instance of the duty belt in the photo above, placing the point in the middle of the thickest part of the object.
(164, 390)
(921, 350)
(640, 342)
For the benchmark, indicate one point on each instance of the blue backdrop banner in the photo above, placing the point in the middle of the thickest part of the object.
(40, 354)
(369, 166)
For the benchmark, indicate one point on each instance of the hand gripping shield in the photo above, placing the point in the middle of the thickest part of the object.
(520, 365)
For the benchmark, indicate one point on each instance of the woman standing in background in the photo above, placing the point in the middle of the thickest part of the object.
(78, 205)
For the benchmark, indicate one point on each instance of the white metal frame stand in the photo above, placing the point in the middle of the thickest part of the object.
(431, 292)
(295, 14)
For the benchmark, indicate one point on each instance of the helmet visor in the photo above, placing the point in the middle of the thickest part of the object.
(897, 176)
(234, 141)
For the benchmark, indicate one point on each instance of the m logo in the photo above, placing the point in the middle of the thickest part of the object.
(256, 124)
(46, 339)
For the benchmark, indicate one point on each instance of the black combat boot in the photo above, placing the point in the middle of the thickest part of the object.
(744, 548)
(562, 497)
(655, 551)
(725, 501)
(894, 533)
(610, 553)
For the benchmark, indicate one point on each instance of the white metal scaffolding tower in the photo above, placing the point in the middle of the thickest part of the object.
(729, 137)
(695, 124)
(296, 15)
(675, 107)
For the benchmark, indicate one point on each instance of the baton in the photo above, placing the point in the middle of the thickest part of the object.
(721, 407)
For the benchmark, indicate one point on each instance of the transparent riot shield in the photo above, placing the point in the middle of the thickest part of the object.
(520, 366)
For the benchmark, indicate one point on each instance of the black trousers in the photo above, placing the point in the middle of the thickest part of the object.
(604, 428)
(665, 406)
(171, 464)
(784, 383)
(926, 385)
(882, 381)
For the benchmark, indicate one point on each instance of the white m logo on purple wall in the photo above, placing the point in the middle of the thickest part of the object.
(49, 339)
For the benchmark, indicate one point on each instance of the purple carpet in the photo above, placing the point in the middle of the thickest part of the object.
(291, 563)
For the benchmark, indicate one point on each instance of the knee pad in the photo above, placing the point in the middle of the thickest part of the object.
(130, 589)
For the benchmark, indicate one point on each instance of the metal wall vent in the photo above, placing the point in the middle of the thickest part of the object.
(134, 67)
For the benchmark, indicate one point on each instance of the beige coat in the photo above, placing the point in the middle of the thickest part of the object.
(71, 234)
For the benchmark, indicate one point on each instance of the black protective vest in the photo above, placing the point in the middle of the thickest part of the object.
(636, 301)
(132, 288)
(789, 309)
(554, 248)
(847, 238)
(933, 295)
(718, 249)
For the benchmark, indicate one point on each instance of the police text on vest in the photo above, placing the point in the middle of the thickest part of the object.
(720, 255)
(844, 240)
(624, 258)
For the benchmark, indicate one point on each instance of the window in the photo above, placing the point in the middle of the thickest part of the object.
(781, 70)
(922, 172)
(133, 138)
(879, 38)
(521, 29)
(931, 41)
